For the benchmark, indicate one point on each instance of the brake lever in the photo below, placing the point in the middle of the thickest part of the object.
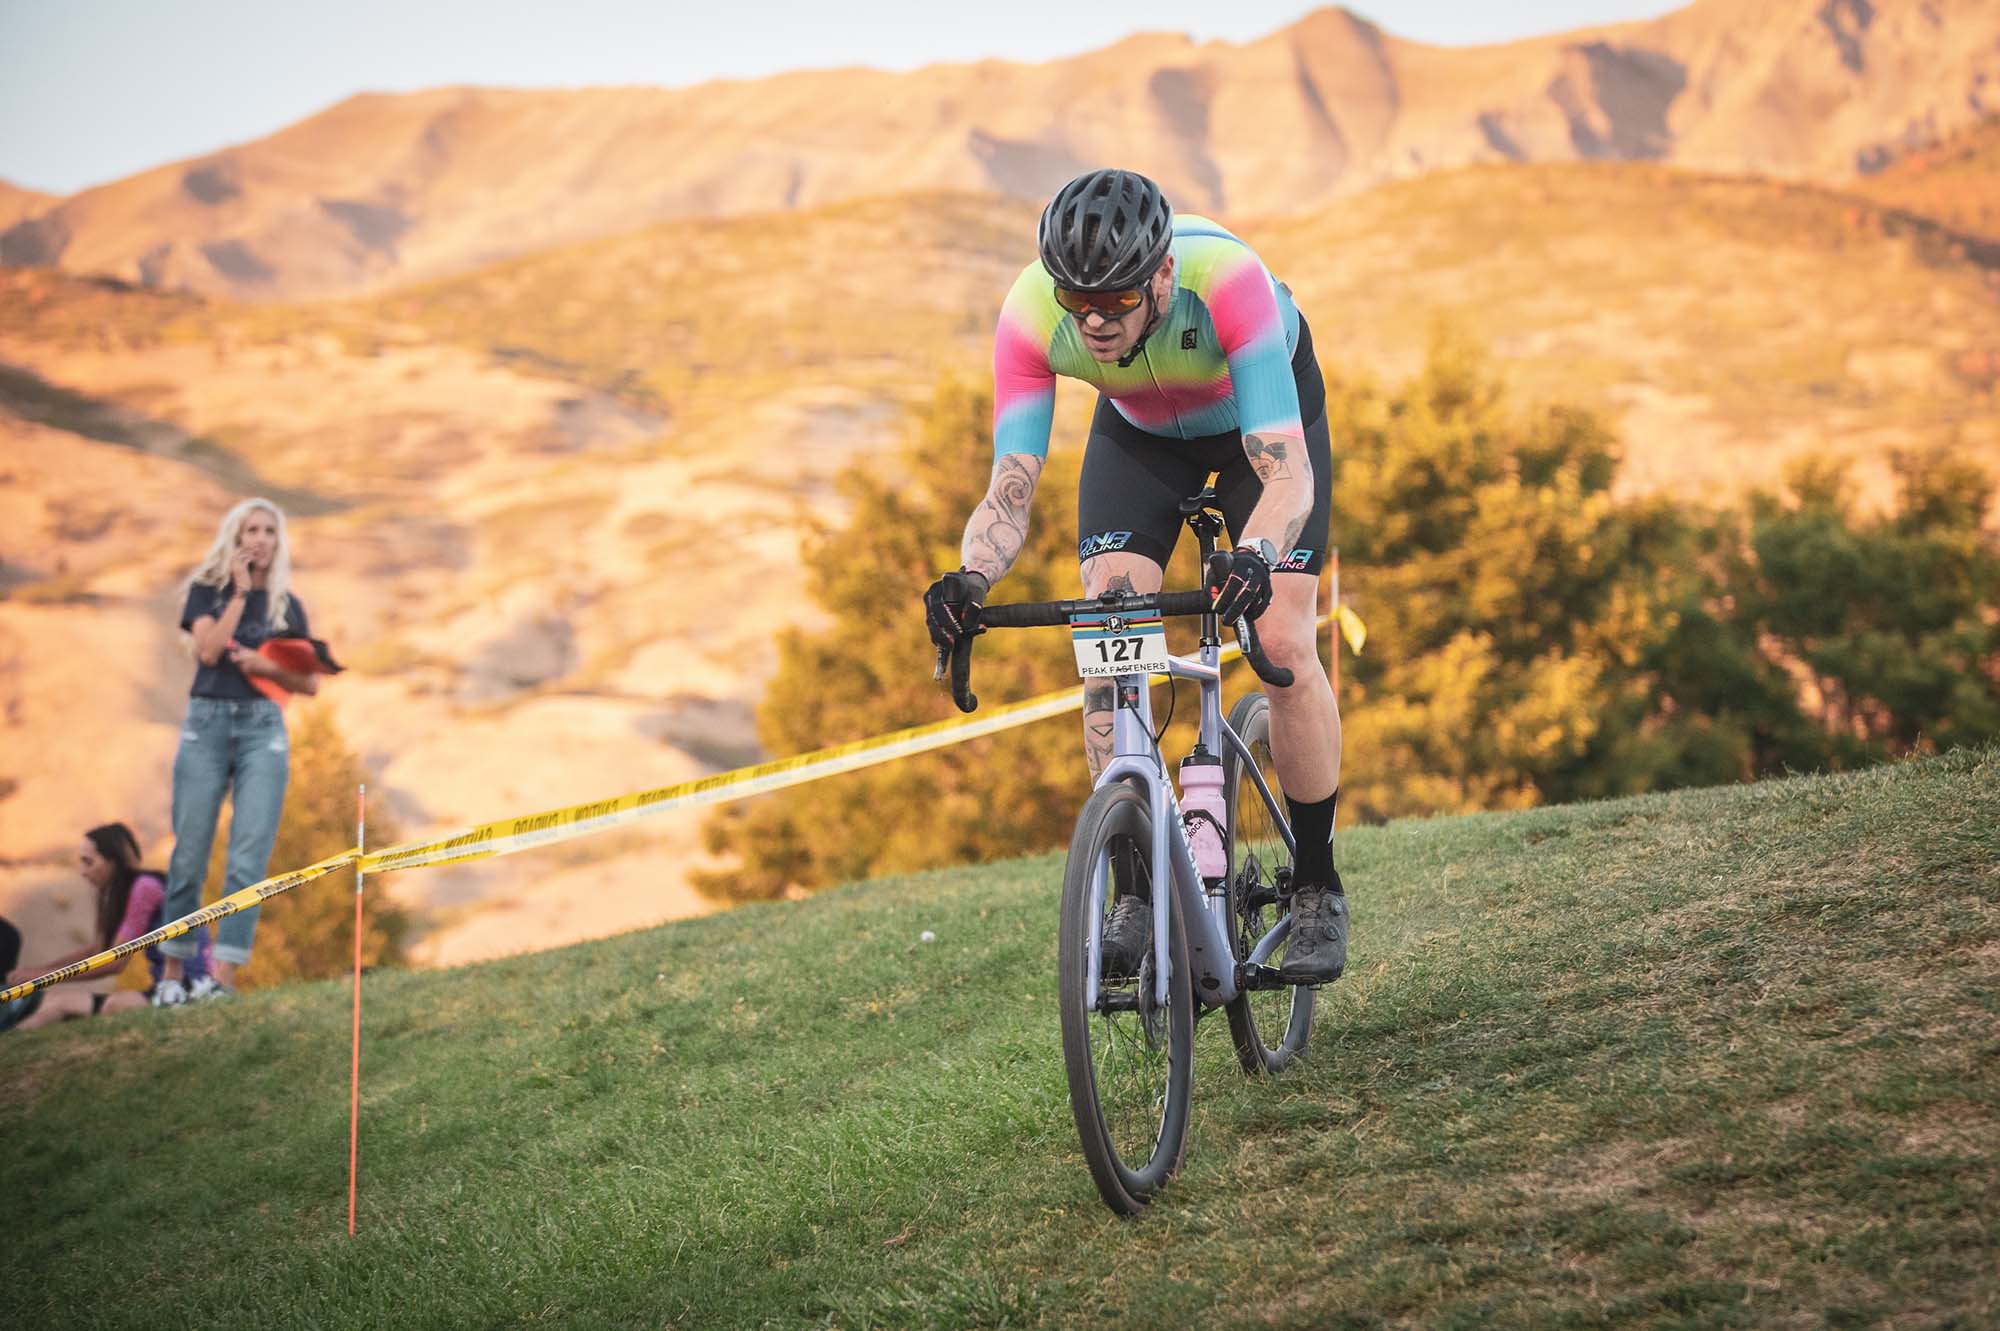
(1276, 676)
(961, 675)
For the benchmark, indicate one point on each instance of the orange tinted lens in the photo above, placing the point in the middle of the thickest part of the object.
(1109, 304)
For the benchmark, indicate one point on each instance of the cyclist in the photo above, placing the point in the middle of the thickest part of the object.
(1204, 366)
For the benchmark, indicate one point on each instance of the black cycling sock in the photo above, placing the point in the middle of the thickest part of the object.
(1312, 829)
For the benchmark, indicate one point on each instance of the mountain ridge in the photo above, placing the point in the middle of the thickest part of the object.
(384, 189)
(18, 201)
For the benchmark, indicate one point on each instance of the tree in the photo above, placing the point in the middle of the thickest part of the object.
(1512, 600)
(308, 932)
(1533, 636)
(1888, 626)
(869, 672)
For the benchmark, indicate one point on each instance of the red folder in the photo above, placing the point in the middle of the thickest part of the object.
(301, 656)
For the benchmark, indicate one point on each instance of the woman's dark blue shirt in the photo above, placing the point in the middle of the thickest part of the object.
(223, 679)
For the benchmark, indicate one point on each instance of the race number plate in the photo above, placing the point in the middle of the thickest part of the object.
(1113, 644)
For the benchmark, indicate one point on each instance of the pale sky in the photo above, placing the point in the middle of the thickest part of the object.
(92, 90)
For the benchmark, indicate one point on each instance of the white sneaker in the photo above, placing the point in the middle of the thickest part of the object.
(169, 992)
(207, 986)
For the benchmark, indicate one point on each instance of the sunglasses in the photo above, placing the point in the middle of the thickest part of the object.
(1107, 304)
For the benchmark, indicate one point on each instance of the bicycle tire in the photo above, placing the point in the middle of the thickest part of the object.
(1131, 1072)
(1257, 854)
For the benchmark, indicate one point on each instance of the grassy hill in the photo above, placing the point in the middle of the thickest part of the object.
(1718, 1058)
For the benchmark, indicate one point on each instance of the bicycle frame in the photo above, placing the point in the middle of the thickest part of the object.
(1136, 759)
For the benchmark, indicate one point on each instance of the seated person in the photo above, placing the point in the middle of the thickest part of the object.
(129, 900)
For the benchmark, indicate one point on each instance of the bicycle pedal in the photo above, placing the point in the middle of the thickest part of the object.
(1250, 978)
(1267, 978)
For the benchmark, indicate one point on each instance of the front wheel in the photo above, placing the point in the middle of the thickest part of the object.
(1130, 1058)
(1270, 1026)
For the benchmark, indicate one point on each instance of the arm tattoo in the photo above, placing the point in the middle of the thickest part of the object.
(1288, 483)
(1268, 457)
(999, 526)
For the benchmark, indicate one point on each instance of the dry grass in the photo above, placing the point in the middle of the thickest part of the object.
(1957, 182)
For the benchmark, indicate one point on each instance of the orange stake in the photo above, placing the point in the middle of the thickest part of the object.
(354, 1101)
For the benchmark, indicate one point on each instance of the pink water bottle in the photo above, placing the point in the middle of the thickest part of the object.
(1203, 810)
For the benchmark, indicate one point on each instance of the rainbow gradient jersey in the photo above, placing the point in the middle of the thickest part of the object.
(1220, 359)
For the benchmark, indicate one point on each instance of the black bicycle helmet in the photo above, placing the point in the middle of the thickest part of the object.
(1105, 230)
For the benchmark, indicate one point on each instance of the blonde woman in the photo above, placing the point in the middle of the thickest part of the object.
(234, 739)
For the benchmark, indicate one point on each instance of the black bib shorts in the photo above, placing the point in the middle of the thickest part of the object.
(1133, 482)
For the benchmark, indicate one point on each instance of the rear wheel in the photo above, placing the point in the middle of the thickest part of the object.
(1270, 1026)
(1129, 1059)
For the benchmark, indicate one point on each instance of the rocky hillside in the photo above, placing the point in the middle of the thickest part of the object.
(384, 189)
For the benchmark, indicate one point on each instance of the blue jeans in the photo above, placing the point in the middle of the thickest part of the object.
(240, 748)
(193, 966)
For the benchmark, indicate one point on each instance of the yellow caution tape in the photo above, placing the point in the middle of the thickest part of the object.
(253, 895)
(540, 829)
(509, 835)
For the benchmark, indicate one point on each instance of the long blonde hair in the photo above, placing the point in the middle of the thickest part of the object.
(213, 571)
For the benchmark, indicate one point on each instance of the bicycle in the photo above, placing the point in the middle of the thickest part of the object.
(1218, 915)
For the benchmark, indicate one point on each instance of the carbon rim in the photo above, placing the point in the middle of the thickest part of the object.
(1131, 1054)
(1271, 1024)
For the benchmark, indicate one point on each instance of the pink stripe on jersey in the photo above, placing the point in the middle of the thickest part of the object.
(1218, 359)
(1024, 385)
(1155, 408)
(1244, 310)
